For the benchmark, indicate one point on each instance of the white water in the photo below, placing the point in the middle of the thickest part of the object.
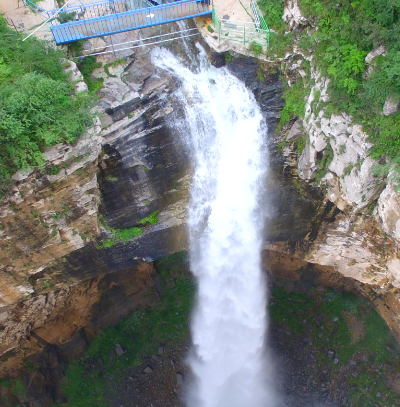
(225, 130)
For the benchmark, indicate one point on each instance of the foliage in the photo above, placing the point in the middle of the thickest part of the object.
(273, 10)
(75, 48)
(129, 234)
(152, 219)
(37, 105)
(90, 378)
(331, 317)
(281, 145)
(228, 57)
(347, 31)
(255, 48)
(122, 235)
(19, 389)
(260, 75)
(113, 64)
(300, 144)
(295, 98)
(279, 44)
(5, 383)
(86, 66)
(324, 163)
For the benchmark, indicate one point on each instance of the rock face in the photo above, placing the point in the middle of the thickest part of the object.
(349, 177)
(59, 316)
(295, 132)
(56, 267)
(390, 107)
(389, 212)
(357, 239)
(293, 15)
(381, 50)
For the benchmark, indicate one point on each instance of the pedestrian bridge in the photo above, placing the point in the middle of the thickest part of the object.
(106, 17)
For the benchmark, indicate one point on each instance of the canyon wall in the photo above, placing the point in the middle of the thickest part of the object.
(65, 272)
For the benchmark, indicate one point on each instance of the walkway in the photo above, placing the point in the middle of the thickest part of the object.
(113, 16)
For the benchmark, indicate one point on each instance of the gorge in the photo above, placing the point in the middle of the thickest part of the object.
(85, 243)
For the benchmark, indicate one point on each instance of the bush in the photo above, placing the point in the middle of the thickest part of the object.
(295, 102)
(347, 31)
(37, 104)
(255, 48)
(273, 10)
(86, 66)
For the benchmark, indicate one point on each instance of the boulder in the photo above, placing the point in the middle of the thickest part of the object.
(391, 106)
(295, 132)
(381, 50)
(293, 15)
(389, 211)
(119, 350)
(308, 162)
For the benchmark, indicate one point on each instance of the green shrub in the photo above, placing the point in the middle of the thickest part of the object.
(152, 219)
(113, 64)
(86, 66)
(37, 105)
(300, 144)
(94, 376)
(255, 48)
(228, 57)
(273, 10)
(295, 102)
(347, 31)
(324, 163)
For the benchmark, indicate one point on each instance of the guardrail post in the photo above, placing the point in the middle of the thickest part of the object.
(116, 15)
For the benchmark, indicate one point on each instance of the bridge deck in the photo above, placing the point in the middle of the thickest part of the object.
(112, 16)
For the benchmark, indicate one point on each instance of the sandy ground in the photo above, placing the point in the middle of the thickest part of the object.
(233, 10)
(23, 19)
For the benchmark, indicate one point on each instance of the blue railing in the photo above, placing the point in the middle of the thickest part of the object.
(113, 16)
(34, 7)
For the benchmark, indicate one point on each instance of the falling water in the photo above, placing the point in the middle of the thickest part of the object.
(226, 132)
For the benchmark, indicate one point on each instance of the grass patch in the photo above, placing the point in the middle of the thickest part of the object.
(273, 12)
(95, 374)
(255, 48)
(328, 320)
(152, 219)
(121, 235)
(86, 66)
(129, 234)
(228, 57)
(295, 102)
(113, 64)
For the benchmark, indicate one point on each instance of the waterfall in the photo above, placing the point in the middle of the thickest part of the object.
(226, 133)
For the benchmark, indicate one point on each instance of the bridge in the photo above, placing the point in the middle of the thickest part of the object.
(105, 17)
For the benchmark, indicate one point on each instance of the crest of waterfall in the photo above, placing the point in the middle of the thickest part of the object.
(226, 133)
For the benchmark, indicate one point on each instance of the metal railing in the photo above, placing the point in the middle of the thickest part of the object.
(34, 7)
(105, 8)
(256, 33)
(106, 17)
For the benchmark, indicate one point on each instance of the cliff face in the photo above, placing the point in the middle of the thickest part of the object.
(60, 284)
(358, 236)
